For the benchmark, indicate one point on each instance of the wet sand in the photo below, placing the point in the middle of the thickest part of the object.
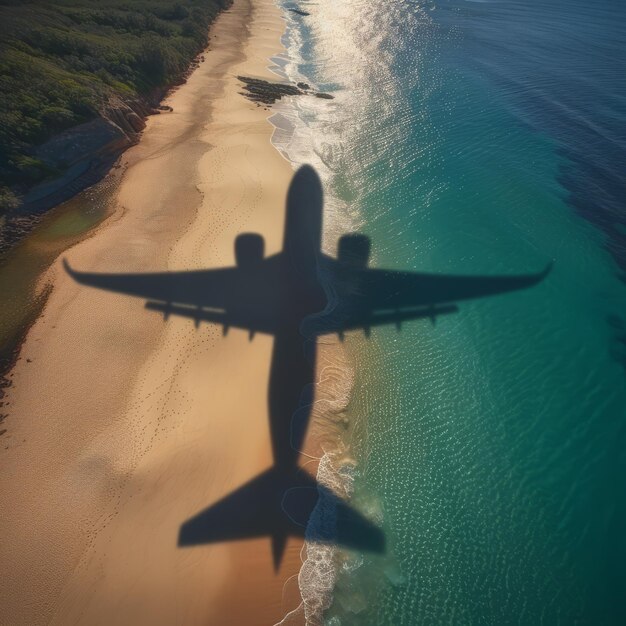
(121, 426)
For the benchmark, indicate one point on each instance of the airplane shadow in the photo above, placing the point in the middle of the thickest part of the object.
(280, 295)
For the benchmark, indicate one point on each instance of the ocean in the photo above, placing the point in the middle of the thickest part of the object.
(477, 137)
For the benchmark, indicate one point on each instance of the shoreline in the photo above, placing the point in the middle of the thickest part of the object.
(111, 428)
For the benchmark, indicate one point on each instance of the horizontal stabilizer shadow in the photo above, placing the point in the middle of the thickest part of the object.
(279, 504)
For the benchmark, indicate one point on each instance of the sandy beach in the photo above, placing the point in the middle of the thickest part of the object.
(121, 426)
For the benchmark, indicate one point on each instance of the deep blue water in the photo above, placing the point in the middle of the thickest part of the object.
(482, 137)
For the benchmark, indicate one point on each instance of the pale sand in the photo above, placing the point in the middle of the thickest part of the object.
(122, 426)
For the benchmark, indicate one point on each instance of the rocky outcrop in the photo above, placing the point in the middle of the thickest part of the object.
(129, 115)
(82, 155)
(85, 152)
(265, 92)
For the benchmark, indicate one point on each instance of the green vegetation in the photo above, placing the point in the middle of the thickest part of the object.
(61, 60)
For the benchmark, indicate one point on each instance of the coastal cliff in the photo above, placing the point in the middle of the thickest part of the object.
(78, 80)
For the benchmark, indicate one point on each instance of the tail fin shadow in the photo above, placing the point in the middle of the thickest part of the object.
(278, 504)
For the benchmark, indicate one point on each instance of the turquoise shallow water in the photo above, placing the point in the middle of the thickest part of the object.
(481, 137)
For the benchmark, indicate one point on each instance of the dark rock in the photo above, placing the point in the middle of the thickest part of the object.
(136, 123)
(299, 12)
(127, 116)
(266, 92)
